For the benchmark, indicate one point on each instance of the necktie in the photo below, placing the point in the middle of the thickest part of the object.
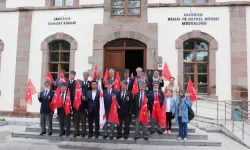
(45, 93)
(123, 94)
(109, 92)
(140, 100)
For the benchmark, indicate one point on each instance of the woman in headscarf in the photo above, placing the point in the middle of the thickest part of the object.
(155, 78)
(172, 86)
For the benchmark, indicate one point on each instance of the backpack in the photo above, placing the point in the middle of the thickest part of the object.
(190, 114)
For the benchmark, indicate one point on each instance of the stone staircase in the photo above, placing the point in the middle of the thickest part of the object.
(196, 137)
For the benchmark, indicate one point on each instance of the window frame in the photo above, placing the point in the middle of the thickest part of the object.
(59, 62)
(63, 3)
(195, 64)
(126, 15)
(194, 2)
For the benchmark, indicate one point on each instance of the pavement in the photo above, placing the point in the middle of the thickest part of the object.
(9, 143)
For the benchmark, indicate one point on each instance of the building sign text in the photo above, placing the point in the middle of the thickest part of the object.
(62, 21)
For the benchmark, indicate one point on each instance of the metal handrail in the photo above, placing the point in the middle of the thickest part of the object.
(228, 110)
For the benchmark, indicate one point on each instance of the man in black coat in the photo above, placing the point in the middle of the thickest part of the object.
(93, 97)
(125, 99)
(63, 119)
(130, 81)
(99, 80)
(45, 98)
(151, 97)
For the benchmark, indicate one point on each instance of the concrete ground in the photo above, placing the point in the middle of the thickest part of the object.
(9, 143)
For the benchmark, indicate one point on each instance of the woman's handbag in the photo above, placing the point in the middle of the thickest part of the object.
(190, 114)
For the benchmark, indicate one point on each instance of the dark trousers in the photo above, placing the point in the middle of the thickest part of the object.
(80, 117)
(182, 128)
(169, 120)
(93, 116)
(46, 119)
(126, 121)
(64, 121)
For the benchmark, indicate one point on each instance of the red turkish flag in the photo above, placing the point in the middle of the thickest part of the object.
(95, 72)
(56, 101)
(162, 117)
(77, 100)
(143, 117)
(49, 77)
(156, 108)
(166, 72)
(67, 104)
(135, 88)
(29, 92)
(106, 76)
(166, 91)
(113, 115)
(132, 76)
(117, 84)
(62, 77)
(191, 91)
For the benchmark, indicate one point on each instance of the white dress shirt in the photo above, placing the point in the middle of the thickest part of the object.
(168, 105)
(93, 94)
(123, 93)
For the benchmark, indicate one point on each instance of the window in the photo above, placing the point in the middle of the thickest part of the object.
(126, 8)
(63, 2)
(194, 1)
(59, 56)
(196, 64)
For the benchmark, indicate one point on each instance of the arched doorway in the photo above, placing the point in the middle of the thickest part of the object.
(124, 53)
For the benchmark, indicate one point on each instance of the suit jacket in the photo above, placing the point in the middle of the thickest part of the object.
(45, 101)
(60, 111)
(93, 104)
(85, 88)
(150, 84)
(108, 99)
(138, 102)
(58, 83)
(72, 89)
(125, 103)
(130, 84)
(151, 98)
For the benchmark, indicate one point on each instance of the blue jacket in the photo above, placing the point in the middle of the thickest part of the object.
(185, 105)
(172, 104)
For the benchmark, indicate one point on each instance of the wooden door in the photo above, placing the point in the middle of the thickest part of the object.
(115, 59)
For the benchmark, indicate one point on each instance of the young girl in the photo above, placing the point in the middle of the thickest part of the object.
(169, 101)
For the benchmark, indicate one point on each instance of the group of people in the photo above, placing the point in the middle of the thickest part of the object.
(176, 100)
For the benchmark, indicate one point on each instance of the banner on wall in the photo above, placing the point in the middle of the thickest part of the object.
(61, 19)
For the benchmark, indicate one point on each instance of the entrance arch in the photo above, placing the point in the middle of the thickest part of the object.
(123, 54)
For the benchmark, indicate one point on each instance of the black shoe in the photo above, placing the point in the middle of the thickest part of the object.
(125, 137)
(105, 136)
(67, 134)
(76, 134)
(145, 138)
(50, 134)
(118, 137)
(42, 133)
(111, 137)
(83, 135)
(152, 132)
(90, 136)
(96, 136)
(61, 134)
(136, 138)
(159, 132)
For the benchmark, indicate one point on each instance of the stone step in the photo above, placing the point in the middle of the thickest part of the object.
(151, 141)
(199, 136)
(132, 127)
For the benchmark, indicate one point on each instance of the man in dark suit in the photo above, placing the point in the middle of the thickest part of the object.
(63, 119)
(139, 97)
(129, 80)
(99, 80)
(45, 98)
(93, 97)
(151, 97)
(108, 94)
(125, 102)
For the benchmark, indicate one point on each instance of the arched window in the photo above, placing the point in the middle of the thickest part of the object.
(196, 64)
(59, 57)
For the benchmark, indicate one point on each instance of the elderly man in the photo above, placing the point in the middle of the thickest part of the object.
(129, 80)
(125, 101)
(99, 80)
(139, 99)
(151, 96)
(138, 72)
(143, 80)
(45, 98)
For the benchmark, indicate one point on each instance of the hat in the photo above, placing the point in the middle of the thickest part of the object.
(142, 85)
(125, 82)
(155, 82)
(64, 84)
(47, 82)
(73, 72)
(109, 82)
(126, 71)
